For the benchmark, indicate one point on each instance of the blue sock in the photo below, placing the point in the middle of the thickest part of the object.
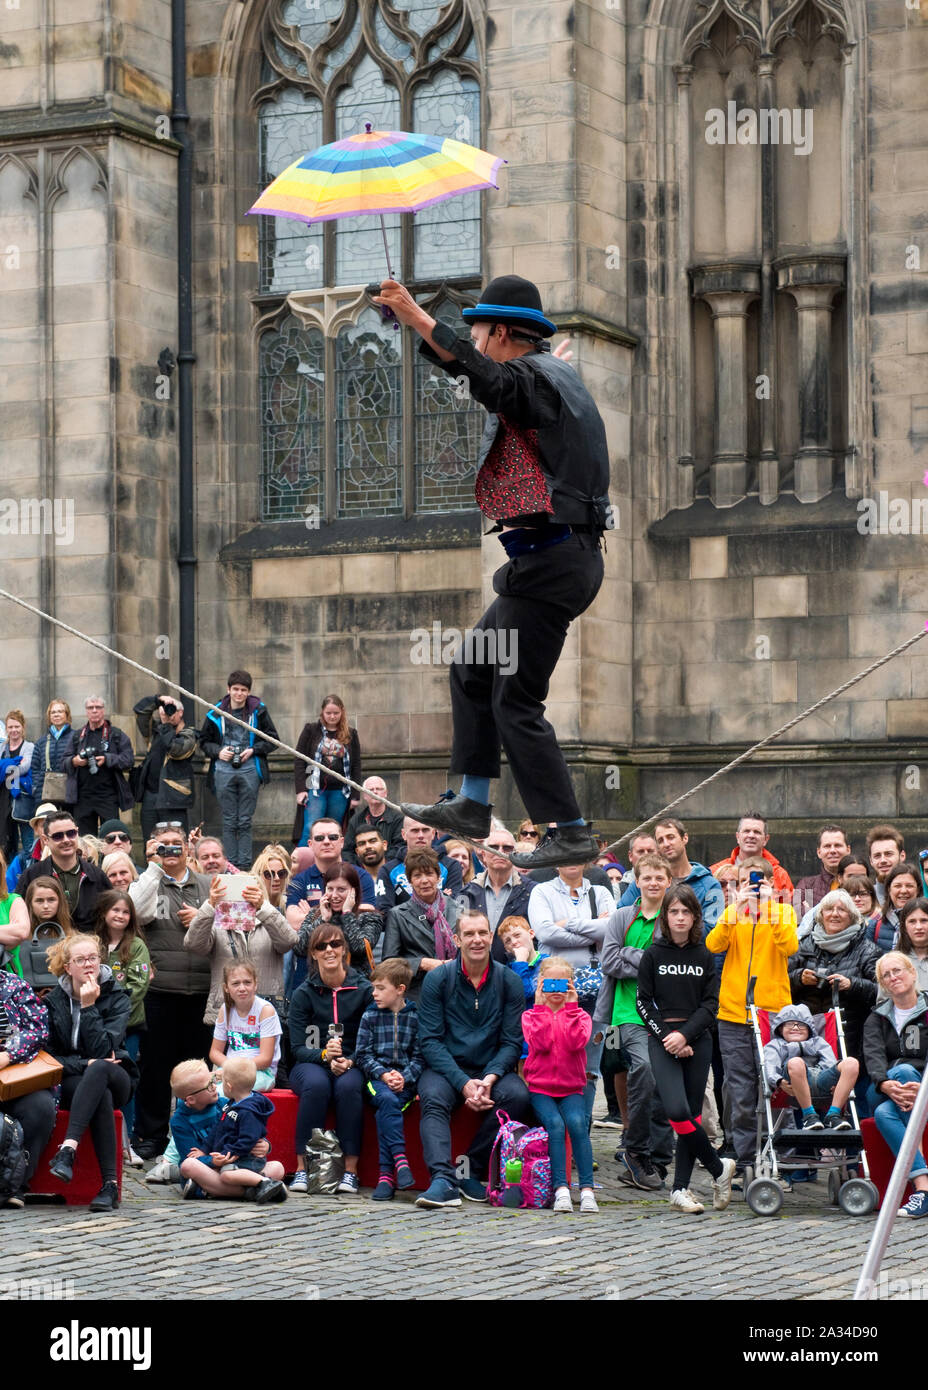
(476, 789)
(562, 823)
(808, 1110)
(834, 1110)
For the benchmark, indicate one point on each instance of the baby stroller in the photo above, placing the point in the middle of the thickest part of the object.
(782, 1147)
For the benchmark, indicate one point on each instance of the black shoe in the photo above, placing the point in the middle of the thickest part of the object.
(107, 1199)
(269, 1190)
(571, 844)
(146, 1149)
(62, 1165)
(456, 813)
(838, 1121)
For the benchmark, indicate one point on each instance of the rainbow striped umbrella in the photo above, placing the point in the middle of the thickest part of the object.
(375, 172)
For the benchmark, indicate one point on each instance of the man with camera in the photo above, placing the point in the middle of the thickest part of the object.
(164, 782)
(166, 897)
(238, 761)
(102, 754)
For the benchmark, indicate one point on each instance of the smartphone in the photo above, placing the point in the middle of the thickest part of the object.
(554, 986)
(755, 879)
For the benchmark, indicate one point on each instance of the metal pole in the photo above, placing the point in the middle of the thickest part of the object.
(881, 1232)
(186, 533)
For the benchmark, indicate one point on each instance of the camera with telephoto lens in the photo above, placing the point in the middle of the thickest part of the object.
(168, 851)
(169, 707)
(236, 757)
(90, 756)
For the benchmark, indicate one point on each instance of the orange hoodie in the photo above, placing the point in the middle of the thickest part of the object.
(760, 949)
(782, 883)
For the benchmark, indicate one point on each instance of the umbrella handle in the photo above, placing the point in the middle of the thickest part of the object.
(385, 313)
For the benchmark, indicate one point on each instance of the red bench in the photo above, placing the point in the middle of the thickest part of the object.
(881, 1157)
(281, 1133)
(87, 1180)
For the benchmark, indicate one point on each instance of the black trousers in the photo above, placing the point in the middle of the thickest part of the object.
(175, 1032)
(91, 1099)
(36, 1114)
(498, 688)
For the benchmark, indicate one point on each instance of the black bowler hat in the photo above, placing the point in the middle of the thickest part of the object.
(511, 300)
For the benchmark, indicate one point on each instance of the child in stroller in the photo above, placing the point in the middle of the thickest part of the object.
(800, 1063)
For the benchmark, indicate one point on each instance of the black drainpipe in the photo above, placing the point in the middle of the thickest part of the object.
(186, 357)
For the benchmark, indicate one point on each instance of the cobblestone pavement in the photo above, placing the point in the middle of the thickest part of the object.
(156, 1247)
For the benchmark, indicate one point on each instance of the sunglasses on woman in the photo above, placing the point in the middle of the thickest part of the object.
(327, 946)
(274, 873)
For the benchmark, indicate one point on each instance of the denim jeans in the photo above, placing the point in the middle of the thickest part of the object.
(237, 793)
(559, 1114)
(891, 1121)
(437, 1100)
(391, 1137)
(332, 804)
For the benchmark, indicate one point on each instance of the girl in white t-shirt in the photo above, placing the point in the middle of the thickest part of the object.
(247, 1025)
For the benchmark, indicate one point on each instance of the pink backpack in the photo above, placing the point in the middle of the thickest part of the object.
(515, 1140)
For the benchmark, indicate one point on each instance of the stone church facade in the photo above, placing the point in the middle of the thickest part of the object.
(726, 206)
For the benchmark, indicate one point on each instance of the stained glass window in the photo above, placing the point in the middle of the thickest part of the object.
(292, 379)
(368, 395)
(328, 67)
(448, 429)
(448, 233)
(289, 252)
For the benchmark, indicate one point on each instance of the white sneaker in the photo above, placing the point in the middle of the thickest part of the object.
(562, 1201)
(161, 1171)
(298, 1186)
(721, 1186)
(131, 1157)
(588, 1201)
(683, 1200)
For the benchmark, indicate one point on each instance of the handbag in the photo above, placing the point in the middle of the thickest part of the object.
(22, 1078)
(55, 785)
(589, 978)
(31, 957)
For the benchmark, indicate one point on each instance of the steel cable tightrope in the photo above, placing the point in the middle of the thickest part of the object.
(339, 777)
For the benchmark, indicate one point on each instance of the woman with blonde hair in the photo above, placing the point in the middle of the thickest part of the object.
(456, 849)
(273, 870)
(88, 1014)
(53, 751)
(119, 869)
(331, 741)
(895, 1053)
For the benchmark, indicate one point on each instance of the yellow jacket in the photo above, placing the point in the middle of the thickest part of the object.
(774, 940)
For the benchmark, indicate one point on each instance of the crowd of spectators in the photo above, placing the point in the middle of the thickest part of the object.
(376, 963)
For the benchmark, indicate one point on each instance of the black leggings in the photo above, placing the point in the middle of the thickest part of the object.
(91, 1099)
(681, 1085)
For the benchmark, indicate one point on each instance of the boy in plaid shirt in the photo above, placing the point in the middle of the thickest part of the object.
(387, 1052)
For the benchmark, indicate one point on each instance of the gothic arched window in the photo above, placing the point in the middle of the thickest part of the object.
(353, 425)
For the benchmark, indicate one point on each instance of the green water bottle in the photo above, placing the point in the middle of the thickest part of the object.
(512, 1196)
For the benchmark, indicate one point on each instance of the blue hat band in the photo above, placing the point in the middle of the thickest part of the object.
(510, 311)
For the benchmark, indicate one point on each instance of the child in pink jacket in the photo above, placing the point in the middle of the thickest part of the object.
(557, 1032)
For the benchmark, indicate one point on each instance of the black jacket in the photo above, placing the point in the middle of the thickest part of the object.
(465, 1032)
(93, 882)
(884, 1047)
(308, 741)
(172, 751)
(315, 1005)
(102, 1027)
(254, 712)
(109, 779)
(540, 392)
(858, 963)
(679, 982)
(390, 825)
(409, 936)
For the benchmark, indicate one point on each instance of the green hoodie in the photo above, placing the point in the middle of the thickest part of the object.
(134, 977)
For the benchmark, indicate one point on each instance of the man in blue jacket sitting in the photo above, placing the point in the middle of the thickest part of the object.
(470, 1032)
